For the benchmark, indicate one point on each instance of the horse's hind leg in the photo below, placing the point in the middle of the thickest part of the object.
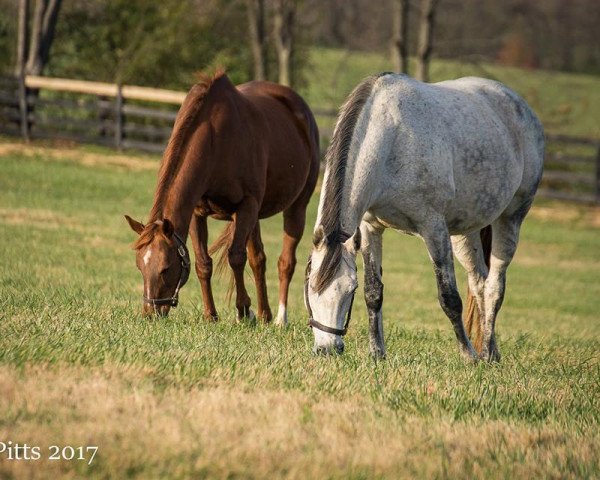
(204, 264)
(505, 236)
(371, 248)
(245, 220)
(258, 263)
(469, 252)
(293, 228)
(437, 239)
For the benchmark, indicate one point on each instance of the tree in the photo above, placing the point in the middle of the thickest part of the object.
(425, 47)
(23, 13)
(258, 37)
(42, 34)
(400, 35)
(285, 14)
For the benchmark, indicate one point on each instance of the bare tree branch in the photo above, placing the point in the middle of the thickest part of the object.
(400, 35)
(258, 37)
(42, 35)
(22, 37)
(285, 14)
(427, 22)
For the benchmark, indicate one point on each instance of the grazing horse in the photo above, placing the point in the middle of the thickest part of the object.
(239, 154)
(441, 161)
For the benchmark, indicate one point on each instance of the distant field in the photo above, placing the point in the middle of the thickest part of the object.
(179, 398)
(566, 103)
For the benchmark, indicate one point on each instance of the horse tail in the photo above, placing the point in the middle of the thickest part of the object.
(221, 247)
(472, 317)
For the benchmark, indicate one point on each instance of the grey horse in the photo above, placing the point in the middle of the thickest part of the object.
(440, 161)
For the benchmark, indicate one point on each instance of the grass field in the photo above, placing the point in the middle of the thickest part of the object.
(179, 398)
(566, 103)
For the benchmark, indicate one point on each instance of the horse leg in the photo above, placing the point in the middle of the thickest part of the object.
(469, 252)
(204, 264)
(293, 228)
(258, 263)
(439, 246)
(371, 249)
(505, 236)
(245, 220)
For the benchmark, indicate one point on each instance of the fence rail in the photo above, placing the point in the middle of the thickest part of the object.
(125, 116)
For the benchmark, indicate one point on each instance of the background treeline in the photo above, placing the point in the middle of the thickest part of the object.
(163, 43)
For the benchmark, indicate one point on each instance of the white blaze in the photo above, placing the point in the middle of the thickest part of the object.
(147, 256)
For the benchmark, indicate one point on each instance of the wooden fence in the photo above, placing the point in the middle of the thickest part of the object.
(124, 116)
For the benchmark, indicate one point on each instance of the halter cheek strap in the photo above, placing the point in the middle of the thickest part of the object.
(184, 256)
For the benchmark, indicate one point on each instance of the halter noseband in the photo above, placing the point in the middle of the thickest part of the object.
(342, 237)
(184, 256)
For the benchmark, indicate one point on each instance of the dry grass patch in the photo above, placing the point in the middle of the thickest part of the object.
(61, 153)
(224, 432)
(567, 213)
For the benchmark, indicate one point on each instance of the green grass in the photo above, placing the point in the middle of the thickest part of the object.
(566, 103)
(180, 398)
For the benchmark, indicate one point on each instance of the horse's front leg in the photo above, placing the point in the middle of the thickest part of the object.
(245, 220)
(204, 264)
(371, 249)
(436, 237)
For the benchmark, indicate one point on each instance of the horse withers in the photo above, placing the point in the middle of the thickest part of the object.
(456, 163)
(238, 154)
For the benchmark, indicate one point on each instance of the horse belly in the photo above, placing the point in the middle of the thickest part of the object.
(482, 197)
(287, 175)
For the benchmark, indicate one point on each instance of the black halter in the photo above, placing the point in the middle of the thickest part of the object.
(184, 256)
(342, 237)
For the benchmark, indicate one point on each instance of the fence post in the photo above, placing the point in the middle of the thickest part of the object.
(23, 109)
(598, 174)
(119, 117)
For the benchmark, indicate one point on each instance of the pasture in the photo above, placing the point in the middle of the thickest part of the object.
(178, 397)
(566, 103)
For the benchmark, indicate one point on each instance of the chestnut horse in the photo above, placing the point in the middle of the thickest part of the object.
(238, 154)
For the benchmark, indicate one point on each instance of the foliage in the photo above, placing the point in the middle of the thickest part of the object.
(8, 31)
(147, 43)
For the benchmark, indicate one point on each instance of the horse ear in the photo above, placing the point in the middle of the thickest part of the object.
(136, 226)
(167, 228)
(319, 236)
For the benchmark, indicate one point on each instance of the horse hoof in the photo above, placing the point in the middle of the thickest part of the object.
(249, 318)
(469, 355)
(494, 356)
(377, 355)
(281, 320)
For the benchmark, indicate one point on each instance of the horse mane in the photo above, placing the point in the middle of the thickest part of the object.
(182, 130)
(336, 160)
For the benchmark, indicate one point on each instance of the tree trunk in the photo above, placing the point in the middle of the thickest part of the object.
(285, 13)
(42, 35)
(22, 37)
(425, 38)
(400, 36)
(258, 38)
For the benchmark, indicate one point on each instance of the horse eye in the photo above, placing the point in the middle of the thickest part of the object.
(164, 271)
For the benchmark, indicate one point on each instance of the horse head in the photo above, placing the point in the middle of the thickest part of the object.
(163, 260)
(329, 288)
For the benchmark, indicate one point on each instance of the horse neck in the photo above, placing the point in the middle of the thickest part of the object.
(178, 195)
(359, 188)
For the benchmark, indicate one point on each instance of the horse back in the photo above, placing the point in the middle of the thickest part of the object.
(467, 145)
